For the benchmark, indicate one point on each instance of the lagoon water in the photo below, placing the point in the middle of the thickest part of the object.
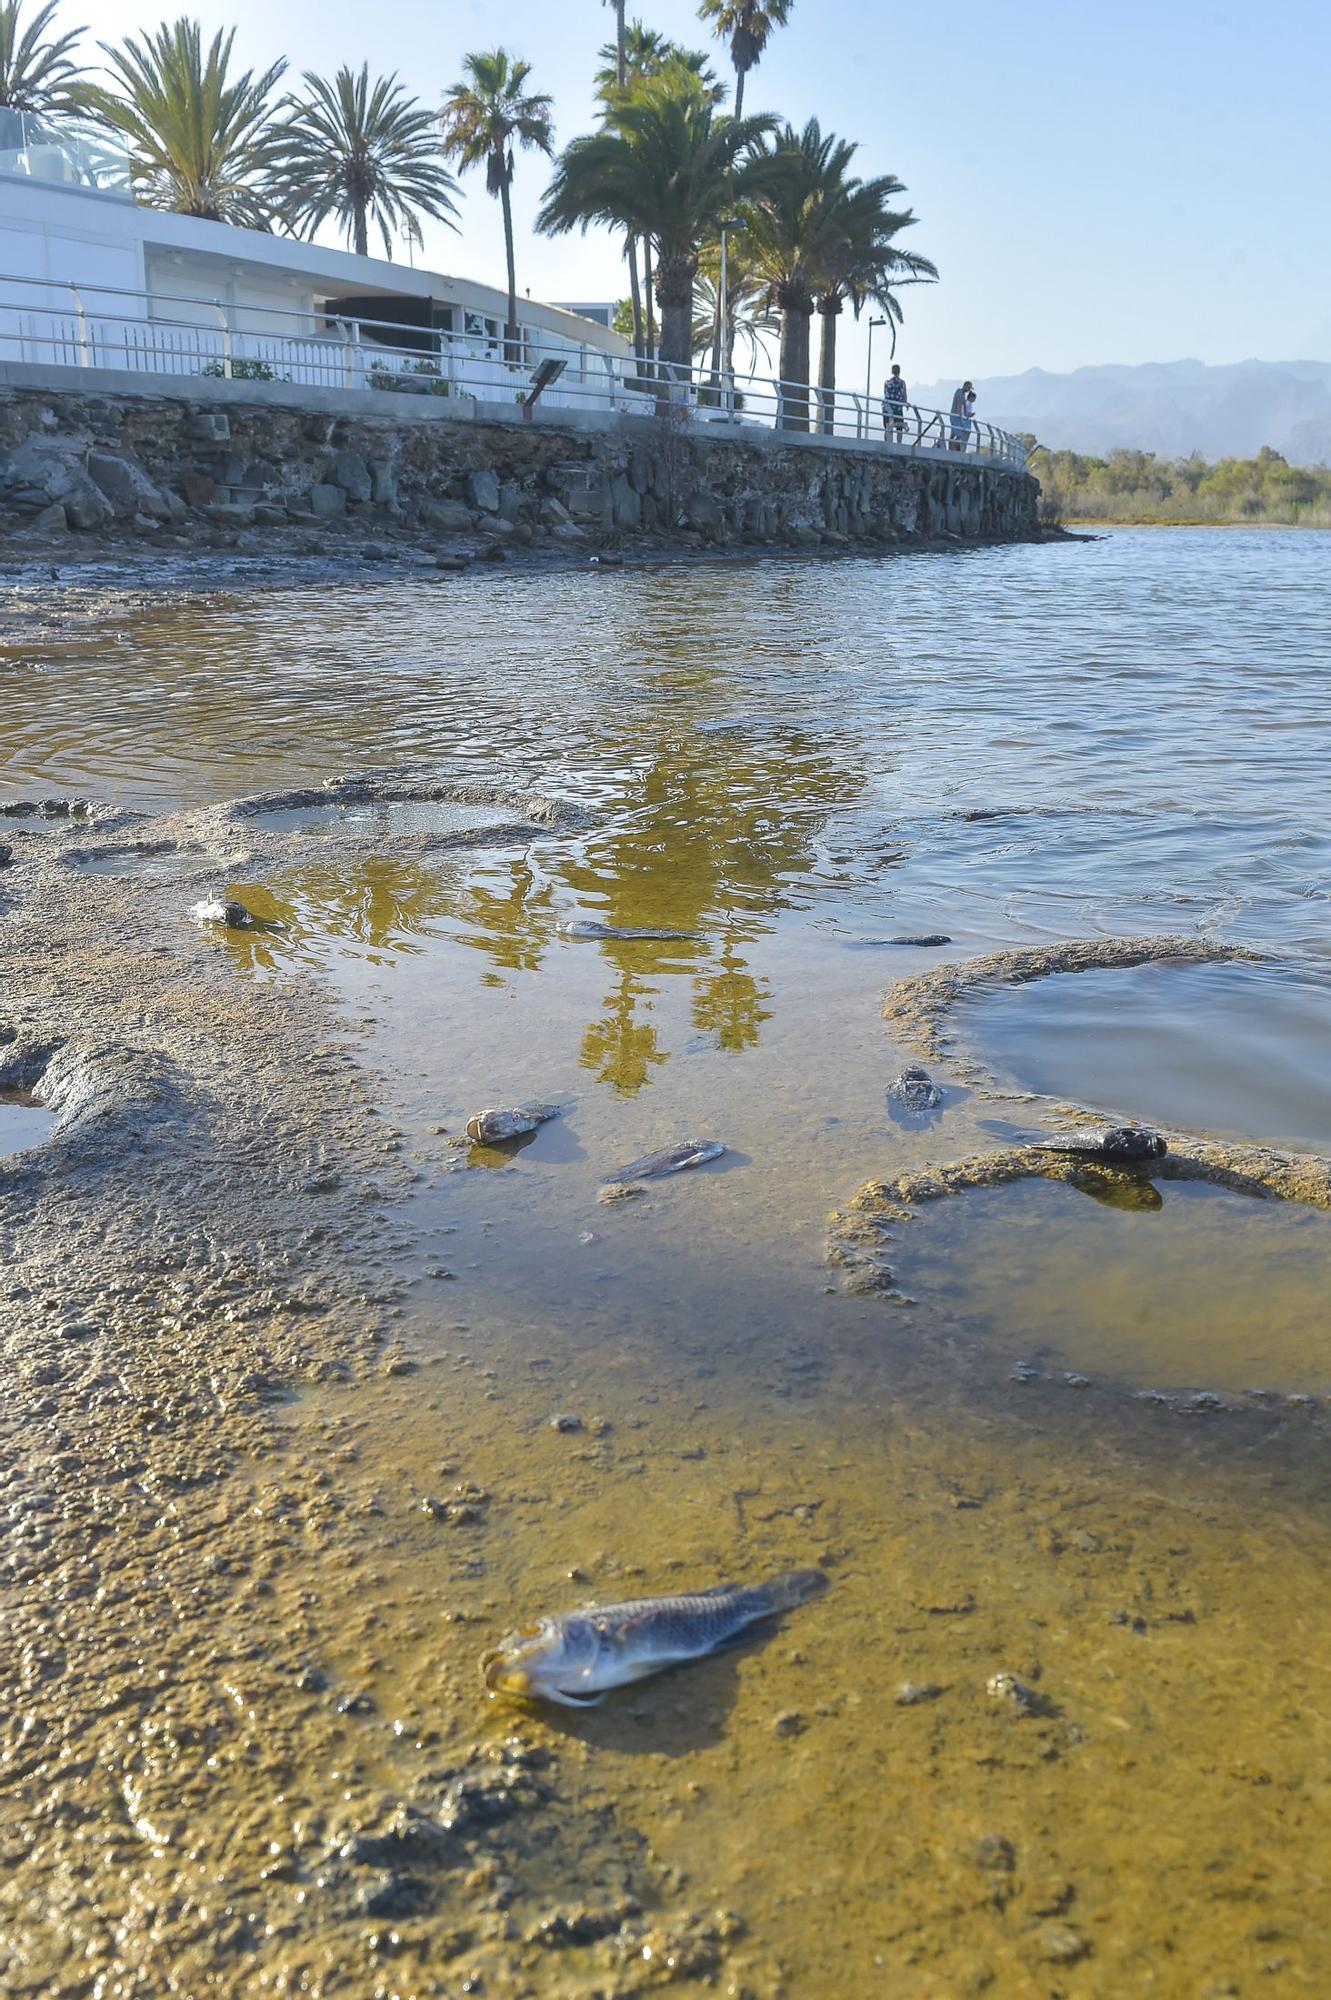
(798, 762)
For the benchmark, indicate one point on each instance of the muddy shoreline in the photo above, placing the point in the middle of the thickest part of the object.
(143, 555)
(209, 1231)
(279, 1458)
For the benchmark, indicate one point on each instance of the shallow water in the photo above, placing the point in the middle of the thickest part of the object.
(378, 820)
(1236, 1049)
(23, 1122)
(1004, 746)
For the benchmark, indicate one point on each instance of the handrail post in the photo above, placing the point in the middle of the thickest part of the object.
(225, 325)
(85, 347)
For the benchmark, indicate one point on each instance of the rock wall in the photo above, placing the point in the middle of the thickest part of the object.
(166, 463)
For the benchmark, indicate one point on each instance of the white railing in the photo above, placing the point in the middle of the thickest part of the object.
(173, 335)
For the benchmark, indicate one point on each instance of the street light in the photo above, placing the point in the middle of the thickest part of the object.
(868, 368)
(733, 222)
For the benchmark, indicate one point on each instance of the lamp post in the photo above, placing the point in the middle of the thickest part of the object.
(868, 368)
(727, 389)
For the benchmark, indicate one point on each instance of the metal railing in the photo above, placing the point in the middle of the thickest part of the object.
(175, 335)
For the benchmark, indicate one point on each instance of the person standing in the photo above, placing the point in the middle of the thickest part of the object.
(960, 425)
(894, 405)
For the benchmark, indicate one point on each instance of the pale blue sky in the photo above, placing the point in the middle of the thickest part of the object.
(1129, 183)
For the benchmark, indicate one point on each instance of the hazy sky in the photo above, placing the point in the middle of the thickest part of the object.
(1130, 183)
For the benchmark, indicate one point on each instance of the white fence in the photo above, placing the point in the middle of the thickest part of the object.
(78, 327)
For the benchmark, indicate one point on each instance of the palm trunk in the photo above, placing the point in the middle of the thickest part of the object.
(829, 311)
(360, 230)
(635, 294)
(511, 352)
(793, 366)
(674, 291)
(649, 293)
(621, 63)
(739, 93)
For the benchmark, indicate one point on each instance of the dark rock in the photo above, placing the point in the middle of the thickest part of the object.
(327, 501)
(483, 490)
(198, 489)
(349, 471)
(127, 486)
(449, 517)
(52, 470)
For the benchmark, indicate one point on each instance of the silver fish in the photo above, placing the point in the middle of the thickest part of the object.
(669, 1160)
(581, 928)
(873, 944)
(487, 1128)
(574, 1657)
(1119, 1142)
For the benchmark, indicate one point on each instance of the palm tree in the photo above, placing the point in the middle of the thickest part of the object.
(748, 313)
(642, 52)
(749, 316)
(646, 53)
(482, 117)
(359, 155)
(198, 137)
(864, 263)
(36, 75)
(749, 24)
(793, 233)
(665, 165)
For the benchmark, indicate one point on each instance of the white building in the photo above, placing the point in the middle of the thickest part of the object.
(88, 277)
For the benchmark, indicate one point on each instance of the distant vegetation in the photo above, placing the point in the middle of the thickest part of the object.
(1138, 486)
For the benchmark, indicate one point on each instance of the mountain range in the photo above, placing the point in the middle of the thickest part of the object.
(1171, 407)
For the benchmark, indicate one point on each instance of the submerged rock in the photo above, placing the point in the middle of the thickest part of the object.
(490, 1128)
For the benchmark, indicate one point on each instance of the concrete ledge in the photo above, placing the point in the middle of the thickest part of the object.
(408, 411)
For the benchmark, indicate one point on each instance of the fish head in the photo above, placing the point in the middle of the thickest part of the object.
(543, 1661)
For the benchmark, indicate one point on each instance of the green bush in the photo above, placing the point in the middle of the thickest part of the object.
(1132, 486)
(243, 371)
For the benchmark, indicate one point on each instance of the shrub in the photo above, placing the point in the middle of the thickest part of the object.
(243, 371)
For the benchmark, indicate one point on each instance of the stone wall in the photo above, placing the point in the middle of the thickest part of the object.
(172, 462)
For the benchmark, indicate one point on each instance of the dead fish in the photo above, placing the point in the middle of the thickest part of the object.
(1119, 1142)
(876, 944)
(670, 1160)
(574, 1657)
(587, 929)
(235, 917)
(487, 1128)
(913, 1095)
